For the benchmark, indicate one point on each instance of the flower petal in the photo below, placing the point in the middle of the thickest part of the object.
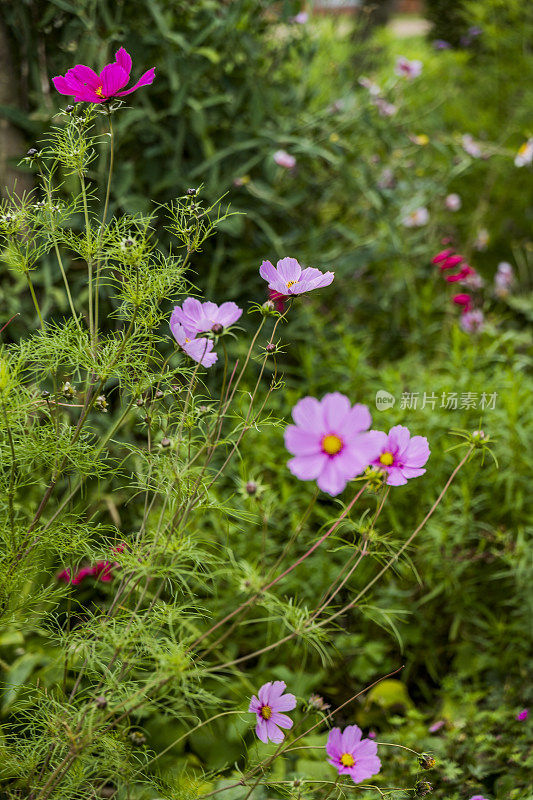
(417, 452)
(289, 269)
(281, 719)
(399, 438)
(331, 479)
(307, 468)
(351, 736)
(145, 80)
(123, 59)
(300, 442)
(113, 78)
(336, 407)
(308, 414)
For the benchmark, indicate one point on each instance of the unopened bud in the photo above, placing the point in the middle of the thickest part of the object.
(426, 761)
(101, 403)
(100, 702)
(217, 328)
(166, 442)
(159, 394)
(45, 394)
(270, 348)
(192, 191)
(137, 737)
(69, 109)
(251, 487)
(140, 402)
(32, 152)
(423, 788)
(68, 390)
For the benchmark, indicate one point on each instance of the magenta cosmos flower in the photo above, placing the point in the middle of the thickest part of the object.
(330, 442)
(288, 278)
(400, 455)
(197, 317)
(351, 755)
(199, 349)
(478, 797)
(268, 707)
(86, 86)
(523, 715)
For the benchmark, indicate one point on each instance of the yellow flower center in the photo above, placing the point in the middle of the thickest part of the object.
(523, 148)
(347, 760)
(99, 91)
(331, 444)
(387, 459)
(266, 712)
(291, 283)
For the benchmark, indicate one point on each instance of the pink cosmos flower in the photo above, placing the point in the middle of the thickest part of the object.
(351, 755)
(436, 726)
(523, 715)
(329, 442)
(416, 218)
(472, 321)
(385, 108)
(407, 69)
(400, 455)
(288, 278)
(102, 570)
(463, 300)
(86, 86)
(371, 87)
(200, 350)
(301, 18)
(447, 260)
(197, 317)
(504, 279)
(470, 146)
(453, 202)
(284, 159)
(478, 797)
(268, 707)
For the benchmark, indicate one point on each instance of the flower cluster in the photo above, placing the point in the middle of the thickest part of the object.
(346, 750)
(332, 444)
(472, 319)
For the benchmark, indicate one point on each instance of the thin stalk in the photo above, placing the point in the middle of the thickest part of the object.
(34, 298)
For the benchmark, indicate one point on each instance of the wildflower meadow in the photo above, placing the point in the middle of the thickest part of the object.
(265, 401)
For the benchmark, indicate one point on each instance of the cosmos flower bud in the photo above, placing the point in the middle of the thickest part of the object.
(101, 403)
(69, 109)
(192, 191)
(423, 788)
(100, 702)
(68, 390)
(137, 738)
(217, 328)
(32, 152)
(270, 348)
(251, 487)
(166, 442)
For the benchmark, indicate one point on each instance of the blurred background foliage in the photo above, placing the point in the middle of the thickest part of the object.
(236, 81)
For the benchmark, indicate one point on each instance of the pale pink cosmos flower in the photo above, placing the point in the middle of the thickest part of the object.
(351, 755)
(453, 202)
(400, 455)
(436, 726)
(267, 707)
(523, 715)
(288, 278)
(372, 88)
(408, 69)
(416, 218)
(197, 317)
(472, 321)
(470, 146)
(482, 239)
(200, 350)
(525, 154)
(385, 108)
(301, 18)
(284, 159)
(86, 86)
(504, 279)
(330, 441)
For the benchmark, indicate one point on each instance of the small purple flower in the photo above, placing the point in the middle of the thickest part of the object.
(200, 350)
(436, 726)
(400, 455)
(288, 278)
(329, 442)
(408, 69)
(268, 707)
(284, 159)
(197, 317)
(301, 18)
(441, 44)
(523, 715)
(385, 108)
(351, 755)
(470, 146)
(86, 86)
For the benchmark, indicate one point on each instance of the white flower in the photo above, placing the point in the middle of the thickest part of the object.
(416, 218)
(525, 154)
(453, 202)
